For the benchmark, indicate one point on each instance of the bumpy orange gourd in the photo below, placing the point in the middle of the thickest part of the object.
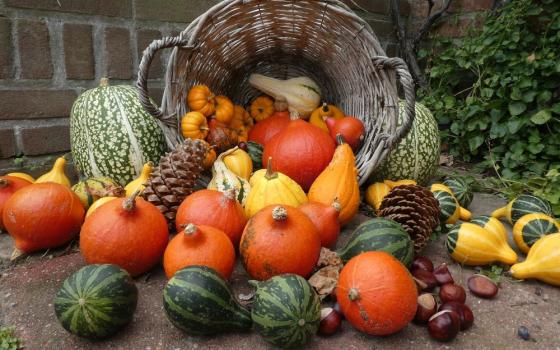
(8, 186)
(339, 180)
(279, 239)
(319, 115)
(325, 219)
(262, 108)
(265, 130)
(218, 209)
(201, 99)
(224, 109)
(194, 126)
(199, 245)
(376, 293)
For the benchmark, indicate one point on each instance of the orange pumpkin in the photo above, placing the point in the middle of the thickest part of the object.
(262, 108)
(376, 293)
(128, 232)
(213, 208)
(352, 129)
(8, 186)
(199, 245)
(241, 123)
(224, 109)
(194, 126)
(325, 219)
(45, 215)
(279, 239)
(202, 100)
(265, 130)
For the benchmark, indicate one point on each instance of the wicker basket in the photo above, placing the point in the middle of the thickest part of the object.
(322, 39)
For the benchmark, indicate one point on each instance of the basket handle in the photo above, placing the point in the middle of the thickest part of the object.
(400, 67)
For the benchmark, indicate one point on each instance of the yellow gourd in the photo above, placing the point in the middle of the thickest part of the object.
(22, 176)
(375, 194)
(224, 179)
(139, 183)
(56, 174)
(99, 203)
(269, 187)
(339, 180)
(238, 161)
(531, 227)
(491, 224)
(460, 212)
(543, 261)
(319, 115)
(470, 244)
(393, 184)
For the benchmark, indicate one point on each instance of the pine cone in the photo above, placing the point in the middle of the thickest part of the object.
(175, 177)
(415, 208)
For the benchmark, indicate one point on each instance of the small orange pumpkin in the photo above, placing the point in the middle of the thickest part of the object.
(319, 115)
(194, 126)
(8, 186)
(325, 219)
(262, 108)
(224, 109)
(241, 123)
(201, 99)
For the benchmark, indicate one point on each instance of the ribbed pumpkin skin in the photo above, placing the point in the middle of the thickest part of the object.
(112, 135)
(266, 129)
(387, 293)
(490, 223)
(96, 301)
(448, 208)
(286, 311)
(325, 219)
(461, 189)
(198, 301)
(13, 184)
(379, 234)
(531, 227)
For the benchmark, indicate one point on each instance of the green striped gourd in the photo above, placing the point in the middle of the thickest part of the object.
(112, 135)
(491, 224)
(286, 310)
(523, 205)
(255, 151)
(198, 301)
(96, 301)
(92, 189)
(531, 227)
(416, 157)
(379, 234)
(461, 190)
(448, 207)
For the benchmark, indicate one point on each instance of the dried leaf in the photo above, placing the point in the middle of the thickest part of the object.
(325, 279)
(446, 159)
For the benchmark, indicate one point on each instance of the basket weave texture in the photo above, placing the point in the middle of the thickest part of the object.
(322, 39)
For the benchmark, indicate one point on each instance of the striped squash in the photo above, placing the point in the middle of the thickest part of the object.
(286, 310)
(523, 205)
(491, 224)
(379, 234)
(112, 135)
(198, 301)
(96, 301)
(448, 207)
(531, 227)
(461, 190)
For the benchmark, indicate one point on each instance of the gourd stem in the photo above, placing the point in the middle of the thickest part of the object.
(353, 294)
(203, 128)
(340, 139)
(190, 229)
(4, 183)
(104, 82)
(130, 203)
(270, 174)
(16, 254)
(325, 107)
(336, 204)
(60, 163)
(279, 213)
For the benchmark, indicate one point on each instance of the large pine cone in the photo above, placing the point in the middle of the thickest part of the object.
(175, 177)
(415, 208)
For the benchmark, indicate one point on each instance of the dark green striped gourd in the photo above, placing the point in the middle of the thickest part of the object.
(523, 205)
(447, 205)
(379, 234)
(198, 301)
(96, 301)
(531, 227)
(255, 150)
(286, 310)
(461, 189)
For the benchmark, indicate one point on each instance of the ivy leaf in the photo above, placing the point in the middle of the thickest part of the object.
(475, 142)
(556, 108)
(529, 96)
(541, 117)
(516, 108)
(535, 148)
(514, 125)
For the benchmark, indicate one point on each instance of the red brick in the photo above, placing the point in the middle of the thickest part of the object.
(34, 50)
(24, 104)
(8, 146)
(172, 10)
(145, 38)
(112, 8)
(45, 139)
(458, 28)
(118, 53)
(6, 60)
(78, 51)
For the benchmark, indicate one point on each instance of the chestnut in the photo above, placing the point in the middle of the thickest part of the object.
(443, 275)
(452, 292)
(330, 321)
(427, 307)
(425, 280)
(422, 263)
(444, 325)
(466, 316)
(482, 286)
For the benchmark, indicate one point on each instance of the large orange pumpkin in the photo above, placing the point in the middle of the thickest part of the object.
(325, 219)
(376, 293)
(301, 151)
(279, 239)
(41, 216)
(8, 186)
(266, 129)
(213, 208)
(128, 232)
(199, 245)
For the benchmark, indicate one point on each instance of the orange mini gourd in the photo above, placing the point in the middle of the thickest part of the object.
(262, 108)
(8, 186)
(202, 100)
(199, 245)
(224, 109)
(325, 219)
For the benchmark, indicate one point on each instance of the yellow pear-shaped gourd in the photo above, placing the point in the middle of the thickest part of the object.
(339, 180)
(56, 174)
(459, 212)
(392, 184)
(543, 261)
(238, 161)
(531, 227)
(470, 244)
(269, 187)
(22, 176)
(491, 224)
(139, 183)
(99, 203)
(224, 179)
(319, 115)
(375, 194)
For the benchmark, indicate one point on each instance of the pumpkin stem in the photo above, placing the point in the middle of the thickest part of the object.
(340, 139)
(4, 183)
(203, 128)
(336, 204)
(270, 174)
(16, 254)
(130, 203)
(294, 115)
(279, 213)
(190, 229)
(104, 82)
(353, 294)
(325, 107)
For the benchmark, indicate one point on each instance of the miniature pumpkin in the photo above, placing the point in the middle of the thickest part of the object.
(238, 161)
(56, 174)
(194, 126)
(352, 129)
(319, 115)
(201, 99)
(241, 118)
(199, 245)
(8, 186)
(265, 130)
(224, 109)
(325, 219)
(279, 239)
(262, 108)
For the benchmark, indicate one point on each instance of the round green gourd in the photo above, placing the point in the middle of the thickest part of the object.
(447, 205)
(112, 135)
(416, 157)
(198, 301)
(461, 189)
(286, 310)
(96, 301)
(379, 234)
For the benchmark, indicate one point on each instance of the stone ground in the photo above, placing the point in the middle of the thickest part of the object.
(27, 290)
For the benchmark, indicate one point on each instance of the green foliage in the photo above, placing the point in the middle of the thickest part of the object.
(496, 94)
(8, 341)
